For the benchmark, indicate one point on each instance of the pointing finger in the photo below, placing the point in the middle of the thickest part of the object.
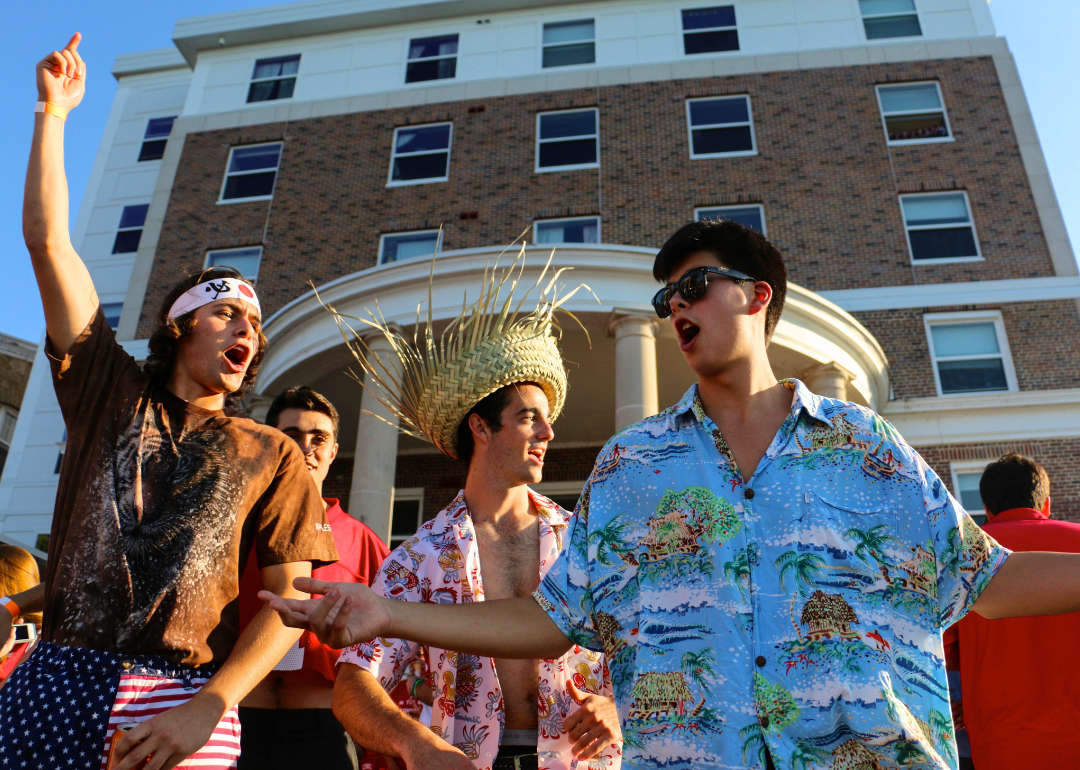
(74, 42)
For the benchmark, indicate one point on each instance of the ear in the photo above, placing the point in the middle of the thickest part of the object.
(333, 453)
(481, 433)
(1045, 510)
(762, 296)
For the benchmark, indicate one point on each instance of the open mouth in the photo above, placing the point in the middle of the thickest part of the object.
(687, 331)
(538, 454)
(237, 356)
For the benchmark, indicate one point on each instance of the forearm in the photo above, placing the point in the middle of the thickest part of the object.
(31, 600)
(372, 718)
(506, 628)
(1033, 583)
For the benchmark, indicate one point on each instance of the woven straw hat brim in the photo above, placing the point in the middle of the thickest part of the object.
(459, 384)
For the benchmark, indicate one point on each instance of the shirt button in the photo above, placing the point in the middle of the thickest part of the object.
(760, 660)
(764, 722)
(748, 494)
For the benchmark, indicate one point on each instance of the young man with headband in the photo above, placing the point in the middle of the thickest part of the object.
(162, 496)
(768, 571)
(487, 394)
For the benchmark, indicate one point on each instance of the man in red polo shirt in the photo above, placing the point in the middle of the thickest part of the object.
(1019, 676)
(287, 720)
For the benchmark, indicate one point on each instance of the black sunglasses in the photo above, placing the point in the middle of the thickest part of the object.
(692, 286)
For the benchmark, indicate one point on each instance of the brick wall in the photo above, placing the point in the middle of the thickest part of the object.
(1044, 340)
(1058, 456)
(823, 172)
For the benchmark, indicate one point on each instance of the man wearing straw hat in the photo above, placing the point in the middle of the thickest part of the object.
(485, 393)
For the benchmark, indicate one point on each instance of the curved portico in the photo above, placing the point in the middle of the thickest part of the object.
(622, 367)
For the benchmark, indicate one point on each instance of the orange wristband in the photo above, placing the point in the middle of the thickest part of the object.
(51, 109)
(9, 604)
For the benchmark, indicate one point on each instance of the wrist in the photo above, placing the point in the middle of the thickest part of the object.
(11, 606)
(51, 108)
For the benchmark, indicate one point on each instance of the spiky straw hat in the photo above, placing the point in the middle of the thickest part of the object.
(487, 347)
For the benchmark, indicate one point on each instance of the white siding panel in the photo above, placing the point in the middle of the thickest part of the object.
(322, 60)
(949, 24)
(662, 48)
(657, 22)
(154, 102)
(223, 98)
(230, 71)
(476, 66)
(831, 34)
(760, 40)
(617, 25)
(765, 13)
(135, 184)
(620, 52)
(826, 10)
(324, 85)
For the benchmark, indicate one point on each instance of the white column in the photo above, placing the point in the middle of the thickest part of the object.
(371, 495)
(829, 380)
(635, 368)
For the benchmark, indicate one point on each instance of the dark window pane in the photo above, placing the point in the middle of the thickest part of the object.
(892, 26)
(405, 520)
(559, 124)
(268, 90)
(134, 216)
(272, 68)
(126, 241)
(433, 46)
(252, 158)
(705, 18)
(112, 311)
(712, 140)
(154, 150)
(158, 127)
(566, 55)
(396, 247)
(411, 167)
(570, 153)
(249, 185)
(421, 139)
(709, 42)
(978, 374)
(713, 111)
(916, 127)
(569, 32)
(747, 217)
(434, 69)
(946, 242)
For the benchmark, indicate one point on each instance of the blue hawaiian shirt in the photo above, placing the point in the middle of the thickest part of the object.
(797, 612)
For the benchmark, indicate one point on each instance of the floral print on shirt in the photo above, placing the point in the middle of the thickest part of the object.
(441, 565)
(797, 613)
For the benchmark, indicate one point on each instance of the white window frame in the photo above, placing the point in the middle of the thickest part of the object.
(968, 316)
(908, 228)
(390, 181)
(863, 17)
(140, 228)
(6, 413)
(384, 236)
(207, 265)
(758, 206)
(296, 77)
(222, 200)
(546, 169)
(562, 67)
(686, 32)
(750, 122)
(956, 467)
(599, 232)
(928, 140)
(408, 61)
(405, 494)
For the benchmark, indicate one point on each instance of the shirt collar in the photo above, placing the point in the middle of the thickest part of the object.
(333, 509)
(1017, 514)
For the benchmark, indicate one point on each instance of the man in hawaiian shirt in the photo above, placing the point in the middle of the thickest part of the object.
(767, 571)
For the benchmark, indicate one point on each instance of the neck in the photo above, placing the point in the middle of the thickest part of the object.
(739, 388)
(194, 393)
(491, 500)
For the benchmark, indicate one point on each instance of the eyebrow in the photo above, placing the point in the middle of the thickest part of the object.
(533, 410)
(313, 431)
(242, 306)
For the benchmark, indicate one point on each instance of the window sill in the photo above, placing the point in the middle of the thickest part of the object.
(909, 142)
(740, 154)
(226, 201)
(946, 260)
(550, 169)
(412, 182)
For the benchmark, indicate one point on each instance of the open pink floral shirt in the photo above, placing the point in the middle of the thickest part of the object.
(441, 565)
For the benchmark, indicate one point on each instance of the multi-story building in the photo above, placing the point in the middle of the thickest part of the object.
(885, 146)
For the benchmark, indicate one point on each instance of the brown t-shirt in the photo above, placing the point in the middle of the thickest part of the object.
(159, 504)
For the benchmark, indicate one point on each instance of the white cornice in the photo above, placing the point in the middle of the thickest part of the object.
(987, 417)
(142, 62)
(949, 294)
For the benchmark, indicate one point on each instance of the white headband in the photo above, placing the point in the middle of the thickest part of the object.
(210, 291)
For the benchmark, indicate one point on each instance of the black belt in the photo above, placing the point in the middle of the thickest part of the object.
(520, 762)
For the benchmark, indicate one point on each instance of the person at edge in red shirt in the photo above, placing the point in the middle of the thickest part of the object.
(1019, 675)
(287, 721)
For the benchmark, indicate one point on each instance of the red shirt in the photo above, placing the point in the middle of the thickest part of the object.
(360, 553)
(1020, 680)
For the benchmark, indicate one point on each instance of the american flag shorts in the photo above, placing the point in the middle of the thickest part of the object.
(60, 708)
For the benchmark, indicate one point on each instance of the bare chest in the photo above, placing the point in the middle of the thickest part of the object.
(509, 561)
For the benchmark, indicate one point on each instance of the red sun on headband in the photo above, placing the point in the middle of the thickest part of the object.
(211, 291)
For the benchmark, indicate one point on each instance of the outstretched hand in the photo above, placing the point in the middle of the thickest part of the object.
(347, 614)
(61, 76)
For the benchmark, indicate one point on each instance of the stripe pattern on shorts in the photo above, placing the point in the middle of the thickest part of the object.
(141, 697)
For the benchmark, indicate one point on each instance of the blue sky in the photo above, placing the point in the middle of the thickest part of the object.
(1042, 35)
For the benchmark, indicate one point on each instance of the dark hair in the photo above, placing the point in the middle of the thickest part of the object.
(1013, 481)
(302, 397)
(738, 248)
(490, 409)
(163, 341)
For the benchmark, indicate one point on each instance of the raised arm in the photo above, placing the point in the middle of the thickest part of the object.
(350, 613)
(67, 293)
